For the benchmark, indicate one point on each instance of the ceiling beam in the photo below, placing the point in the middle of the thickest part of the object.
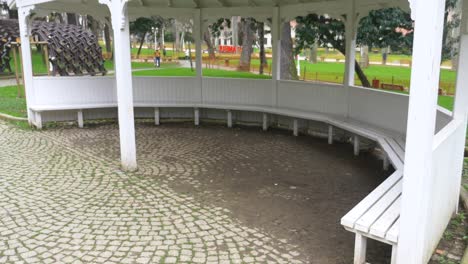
(197, 3)
(170, 3)
(252, 3)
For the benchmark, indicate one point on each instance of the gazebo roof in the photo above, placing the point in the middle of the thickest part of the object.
(216, 8)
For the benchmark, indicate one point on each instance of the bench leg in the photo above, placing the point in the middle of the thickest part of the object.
(330, 135)
(38, 120)
(265, 122)
(360, 248)
(386, 163)
(80, 119)
(394, 254)
(296, 127)
(229, 118)
(356, 145)
(197, 116)
(156, 116)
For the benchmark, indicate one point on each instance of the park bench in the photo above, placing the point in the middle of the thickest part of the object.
(393, 87)
(375, 217)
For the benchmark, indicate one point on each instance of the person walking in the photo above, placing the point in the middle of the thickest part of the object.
(157, 58)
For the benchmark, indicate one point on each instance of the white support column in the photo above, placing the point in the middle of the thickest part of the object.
(357, 147)
(197, 116)
(197, 34)
(123, 75)
(351, 33)
(414, 245)
(157, 116)
(360, 248)
(461, 92)
(229, 118)
(276, 51)
(265, 122)
(25, 34)
(330, 134)
(80, 118)
(296, 127)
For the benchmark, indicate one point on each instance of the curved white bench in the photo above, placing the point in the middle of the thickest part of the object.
(375, 217)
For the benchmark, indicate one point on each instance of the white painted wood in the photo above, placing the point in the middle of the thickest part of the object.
(384, 222)
(80, 118)
(38, 119)
(360, 248)
(229, 118)
(197, 116)
(356, 144)
(265, 122)
(359, 210)
(157, 116)
(314, 97)
(330, 135)
(276, 51)
(351, 34)
(394, 254)
(393, 233)
(296, 127)
(25, 28)
(374, 213)
(386, 162)
(417, 222)
(123, 75)
(237, 91)
(167, 90)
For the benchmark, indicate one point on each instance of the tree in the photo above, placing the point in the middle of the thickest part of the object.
(451, 36)
(248, 27)
(142, 26)
(261, 44)
(287, 66)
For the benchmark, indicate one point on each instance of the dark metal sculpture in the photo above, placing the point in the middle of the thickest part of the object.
(72, 50)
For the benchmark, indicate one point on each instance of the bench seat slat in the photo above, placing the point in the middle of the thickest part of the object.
(386, 220)
(392, 234)
(378, 209)
(350, 219)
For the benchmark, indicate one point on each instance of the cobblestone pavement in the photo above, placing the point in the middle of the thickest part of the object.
(63, 199)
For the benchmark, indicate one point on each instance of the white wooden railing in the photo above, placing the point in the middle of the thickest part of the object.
(379, 108)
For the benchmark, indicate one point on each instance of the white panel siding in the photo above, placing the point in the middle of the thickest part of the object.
(382, 109)
(74, 90)
(238, 91)
(314, 97)
(166, 90)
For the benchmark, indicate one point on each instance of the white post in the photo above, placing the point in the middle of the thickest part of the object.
(80, 118)
(461, 92)
(198, 32)
(357, 146)
(197, 116)
(413, 243)
(276, 51)
(351, 28)
(296, 127)
(123, 75)
(25, 34)
(229, 118)
(360, 248)
(265, 122)
(157, 117)
(330, 134)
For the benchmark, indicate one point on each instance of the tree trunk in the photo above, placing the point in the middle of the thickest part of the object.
(360, 73)
(364, 56)
(142, 41)
(261, 42)
(287, 66)
(313, 53)
(209, 44)
(247, 45)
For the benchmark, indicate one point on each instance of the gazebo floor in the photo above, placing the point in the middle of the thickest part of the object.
(201, 195)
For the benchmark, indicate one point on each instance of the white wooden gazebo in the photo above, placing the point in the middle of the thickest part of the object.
(424, 143)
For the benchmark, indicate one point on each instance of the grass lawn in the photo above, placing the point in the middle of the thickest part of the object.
(10, 104)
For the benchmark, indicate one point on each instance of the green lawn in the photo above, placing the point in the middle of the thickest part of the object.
(10, 104)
